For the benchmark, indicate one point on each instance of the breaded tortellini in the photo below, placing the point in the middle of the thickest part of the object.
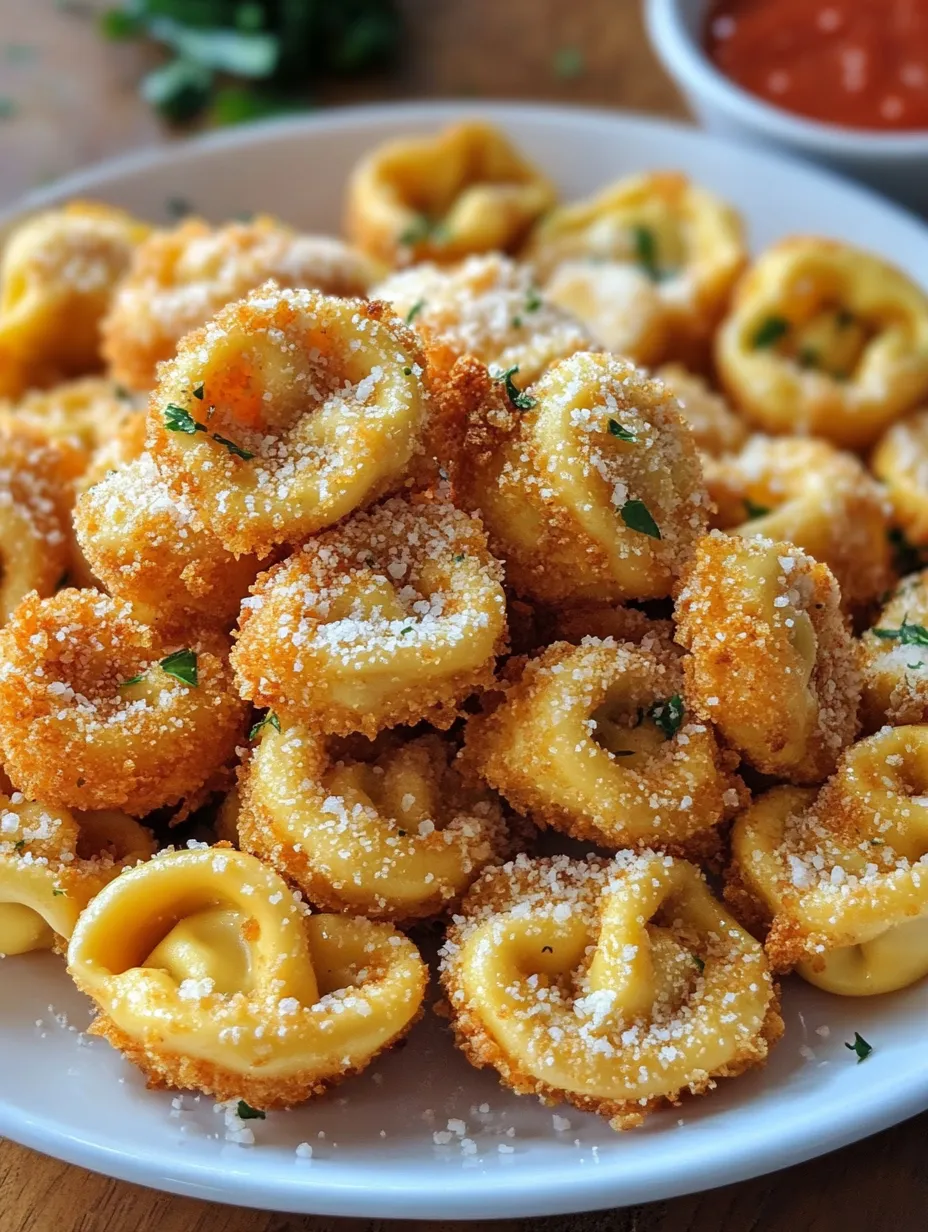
(101, 711)
(808, 493)
(388, 830)
(594, 740)
(900, 459)
(287, 411)
(180, 278)
(57, 276)
(613, 985)
(52, 863)
(825, 339)
(772, 663)
(488, 307)
(894, 659)
(395, 616)
(209, 974)
(588, 481)
(715, 427)
(441, 197)
(839, 880)
(647, 265)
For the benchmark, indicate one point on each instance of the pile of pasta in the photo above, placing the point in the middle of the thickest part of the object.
(346, 581)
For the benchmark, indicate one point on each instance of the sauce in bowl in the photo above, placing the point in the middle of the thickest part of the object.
(856, 63)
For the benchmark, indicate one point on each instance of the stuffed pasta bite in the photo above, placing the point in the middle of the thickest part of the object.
(613, 985)
(588, 481)
(209, 974)
(900, 460)
(894, 659)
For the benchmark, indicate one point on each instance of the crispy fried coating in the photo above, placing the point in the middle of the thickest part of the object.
(772, 663)
(588, 481)
(715, 426)
(100, 711)
(180, 278)
(836, 879)
(148, 545)
(894, 659)
(394, 616)
(824, 339)
(287, 411)
(594, 740)
(900, 460)
(819, 498)
(245, 996)
(614, 985)
(396, 834)
(441, 197)
(488, 307)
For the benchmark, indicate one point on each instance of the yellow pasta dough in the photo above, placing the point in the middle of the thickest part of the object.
(894, 659)
(900, 459)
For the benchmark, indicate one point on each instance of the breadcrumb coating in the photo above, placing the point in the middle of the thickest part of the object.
(894, 659)
(900, 460)
(716, 428)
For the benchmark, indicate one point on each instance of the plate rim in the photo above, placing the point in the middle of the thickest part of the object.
(505, 1194)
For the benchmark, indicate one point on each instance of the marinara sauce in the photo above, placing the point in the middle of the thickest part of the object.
(858, 63)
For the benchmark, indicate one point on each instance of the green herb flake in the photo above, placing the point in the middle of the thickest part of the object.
(623, 434)
(517, 322)
(414, 311)
(198, 392)
(56, 893)
(182, 665)
(636, 516)
(518, 398)
(132, 680)
(533, 300)
(460, 557)
(808, 357)
(906, 634)
(860, 1046)
(569, 63)
(408, 629)
(418, 231)
(178, 419)
(700, 963)
(122, 393)
(120, 24)
(769, 332)
(668, 715)
(247, 1113)
(645, 246)
(407, 372)
(234, 449)
(754, 510)
(268, 720)
(19, 844)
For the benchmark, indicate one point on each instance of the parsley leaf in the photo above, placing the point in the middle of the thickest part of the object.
(414, 311)
(198, 392)
(19, 844)
(182, 665)
(269, 720)
(533, 300)
(247, 1113)
(646, 251)
(860, 1046)
(616, 429)
(56, 893)
(178, 419)
(755, 511)
(132, 680)
(237, 450)
(637, 516)
(668, 715)
(700, 962)
(517, 397)
(769, 332)
(906, 634)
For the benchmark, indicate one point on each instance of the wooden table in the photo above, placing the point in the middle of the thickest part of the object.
(75, 101)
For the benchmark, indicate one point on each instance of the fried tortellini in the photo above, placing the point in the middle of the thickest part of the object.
(900, 459)
(825, 339)
(894, 659)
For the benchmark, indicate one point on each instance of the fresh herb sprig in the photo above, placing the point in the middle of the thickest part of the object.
(518, 398)
(178, 419)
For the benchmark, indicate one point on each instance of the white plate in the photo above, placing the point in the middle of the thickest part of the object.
(76, 1099)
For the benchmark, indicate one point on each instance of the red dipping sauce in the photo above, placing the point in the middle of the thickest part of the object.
(857, 63)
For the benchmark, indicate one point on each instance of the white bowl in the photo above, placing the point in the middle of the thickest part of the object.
(894, 163)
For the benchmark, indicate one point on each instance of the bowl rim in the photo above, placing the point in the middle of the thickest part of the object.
(688, 64)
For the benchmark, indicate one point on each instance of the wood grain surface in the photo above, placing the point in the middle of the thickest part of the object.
(74, 100)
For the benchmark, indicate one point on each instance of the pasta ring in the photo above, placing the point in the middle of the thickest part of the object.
(52, 863)
(57, 275)
(310, 407)
(772, 663)
(894, 659)
(647, 264)
(825, 339)
(900, 459)
(593, 740)
(99, 711)
(487, 307)
(808, 493)
(209, 974)
(147, 545)
(397, 615)
(396, 836)
(178, 279)
(615, 985)
(588, 481)
(463, 190)
(839, 879)
(716, 428)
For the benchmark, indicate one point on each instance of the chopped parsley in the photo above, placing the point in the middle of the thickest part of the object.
(414, 311)
(122, 393)
(247, 1113)
(19, 844)
(268, 720)
(422, 229)
(906, 634)
(700, 962)
(533, 300)
(407, 372)
(754, 510)
(178, 419)
(637, 516)
(808, 357)
(616, 429)
(132, 680)
(408, 629)
(517, 397)
(182, 665)
(516, 322)
(198, 392)
(645, 246)
(860, 1046)
(769, 332)
(668, 715)
(460, 556)
(568, 63)
(56, 893)
(234, 449)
